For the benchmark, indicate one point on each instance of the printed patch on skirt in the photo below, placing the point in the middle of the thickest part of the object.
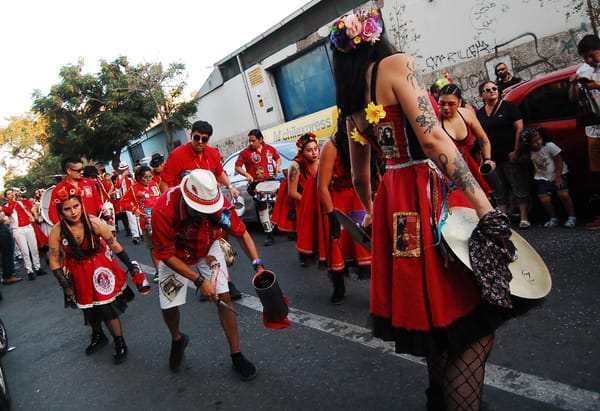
(104, 281)
(407, 234)
(170, 287)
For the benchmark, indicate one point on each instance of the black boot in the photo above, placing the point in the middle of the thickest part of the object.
(269, 240)
(339, 289)
(120, 353)
(99, 340)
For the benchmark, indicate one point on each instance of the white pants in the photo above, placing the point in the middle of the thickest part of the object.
(25, 240)
(173, 287)
(134, 225)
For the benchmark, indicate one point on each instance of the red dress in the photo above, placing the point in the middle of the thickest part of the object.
(337, 254)
(284, 208)
(465, 146)
(416, 301)
(308, 210)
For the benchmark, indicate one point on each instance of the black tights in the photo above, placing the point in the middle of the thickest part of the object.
(456, 379)
(114, 326)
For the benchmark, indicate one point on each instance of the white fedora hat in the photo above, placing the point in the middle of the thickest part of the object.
(201, 191)
(530, 276)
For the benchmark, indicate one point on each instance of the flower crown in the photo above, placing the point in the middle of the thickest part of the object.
(65, 193)
(354, 29)
(304, 140)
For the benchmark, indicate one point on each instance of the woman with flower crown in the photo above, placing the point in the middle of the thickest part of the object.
(427, 309)
(92, 279)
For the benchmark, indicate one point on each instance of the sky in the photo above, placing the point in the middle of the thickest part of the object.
(40, 37)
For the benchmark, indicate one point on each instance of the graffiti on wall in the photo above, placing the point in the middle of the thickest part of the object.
(475, 50)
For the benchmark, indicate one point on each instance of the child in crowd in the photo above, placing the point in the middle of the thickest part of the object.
(550, 174)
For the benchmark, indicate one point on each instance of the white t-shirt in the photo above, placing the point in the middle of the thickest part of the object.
(544, 164)
(585, 70)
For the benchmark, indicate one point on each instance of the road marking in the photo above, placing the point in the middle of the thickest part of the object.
(530, 386)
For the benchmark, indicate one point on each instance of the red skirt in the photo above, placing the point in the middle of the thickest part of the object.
(338, 253)
(284, 209)
(97, 280)
(308, 211)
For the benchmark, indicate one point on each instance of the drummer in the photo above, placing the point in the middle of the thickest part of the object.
(259, 162)
(188, 223)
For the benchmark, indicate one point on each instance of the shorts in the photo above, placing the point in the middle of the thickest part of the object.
(594, 153)
(172, 287)
(548, 188)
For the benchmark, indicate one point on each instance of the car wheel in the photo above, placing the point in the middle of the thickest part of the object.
(3, 339)
(4, 393)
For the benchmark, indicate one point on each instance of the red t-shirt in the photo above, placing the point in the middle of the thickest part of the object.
(260, 165)
(175, 234)
(141, 197)
(20, 217)
(90, 197)
(184, 159)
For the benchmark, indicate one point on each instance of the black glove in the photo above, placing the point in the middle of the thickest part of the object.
(334, 225)
(125, 259)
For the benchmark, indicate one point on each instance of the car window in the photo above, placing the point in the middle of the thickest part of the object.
(549, 102)
(229, 164)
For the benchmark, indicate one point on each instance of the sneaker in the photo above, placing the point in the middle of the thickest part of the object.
(269, 239)
(136, 240)
(243, 367)
(594, 225)
(11, 280)
(40, 272)
(234, 293)
(177, 350)
(553, 222)
(570, 223)
(155, 278)
(31, 276)
(524, 224)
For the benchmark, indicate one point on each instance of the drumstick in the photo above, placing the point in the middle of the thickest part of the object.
(224, 304)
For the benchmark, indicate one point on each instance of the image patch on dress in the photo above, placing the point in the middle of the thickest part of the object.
(407, 234)
(104, 281)
(170, 287)
(386, 139)
(259, 172)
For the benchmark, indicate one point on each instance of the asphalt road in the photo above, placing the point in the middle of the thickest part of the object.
(546, 360)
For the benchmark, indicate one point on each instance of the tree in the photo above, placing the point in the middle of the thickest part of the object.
(165, 89)
(94, 116)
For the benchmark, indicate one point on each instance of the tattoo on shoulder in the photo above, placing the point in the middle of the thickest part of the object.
(292, 173)
(414, 75)
(427, 118)
(461, 176)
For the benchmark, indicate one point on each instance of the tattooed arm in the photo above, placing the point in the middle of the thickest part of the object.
(403, 76)
(293, 180)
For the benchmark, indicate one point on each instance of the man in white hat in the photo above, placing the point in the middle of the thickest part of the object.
(188, 222)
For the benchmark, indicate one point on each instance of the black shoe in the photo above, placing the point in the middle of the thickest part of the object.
(136, 240)
(40, 272)
(303, 258)
(99, 340)
(234, 293)
(177, 350)
(243, 367)
(339, 289)
(31, 276)
(120, 353)
(269, 239)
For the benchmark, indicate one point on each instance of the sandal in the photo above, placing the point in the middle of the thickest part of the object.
(524, 224)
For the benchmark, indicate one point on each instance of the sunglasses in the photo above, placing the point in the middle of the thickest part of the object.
(198, 137)
(489, 90)
(79, 170)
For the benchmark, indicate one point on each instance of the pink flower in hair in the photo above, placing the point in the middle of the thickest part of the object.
(353, 25)
(371, 30)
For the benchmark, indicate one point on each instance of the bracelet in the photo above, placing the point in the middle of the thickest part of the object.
(487, 159)
(367, 215)
(229, 187)
(199, 281)
(257, 262)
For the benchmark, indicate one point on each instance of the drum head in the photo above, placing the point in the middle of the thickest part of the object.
(268, 186)
(45, 204)
(531, 277)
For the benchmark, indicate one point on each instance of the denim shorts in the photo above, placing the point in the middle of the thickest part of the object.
(547, 188)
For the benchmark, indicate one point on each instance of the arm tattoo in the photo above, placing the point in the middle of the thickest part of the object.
(427, 118)
(293, 173)
(414, 77)
(55, 252)
(461, 176)
(110, 240)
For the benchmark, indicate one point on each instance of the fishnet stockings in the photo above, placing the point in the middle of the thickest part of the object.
(456, 379)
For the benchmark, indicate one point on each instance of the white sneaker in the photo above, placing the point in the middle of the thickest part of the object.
(553, 222)
(570, 223)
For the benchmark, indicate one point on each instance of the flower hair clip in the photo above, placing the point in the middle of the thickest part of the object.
(354, 29)
(65, 193)
(304, 140)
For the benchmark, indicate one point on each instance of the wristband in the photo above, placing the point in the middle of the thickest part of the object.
(487, 159)
(199, 281)
(257, 262)
(367, 215)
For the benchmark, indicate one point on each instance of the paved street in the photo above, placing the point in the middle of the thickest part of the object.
(547, 360)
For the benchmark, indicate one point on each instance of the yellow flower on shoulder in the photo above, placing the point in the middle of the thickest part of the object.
(374, 113)
(359, 138)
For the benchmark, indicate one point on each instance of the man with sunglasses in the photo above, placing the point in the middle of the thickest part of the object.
(503, 78)
(73, 168)
(193, 155)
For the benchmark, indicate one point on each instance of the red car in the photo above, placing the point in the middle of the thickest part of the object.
(544, 102)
